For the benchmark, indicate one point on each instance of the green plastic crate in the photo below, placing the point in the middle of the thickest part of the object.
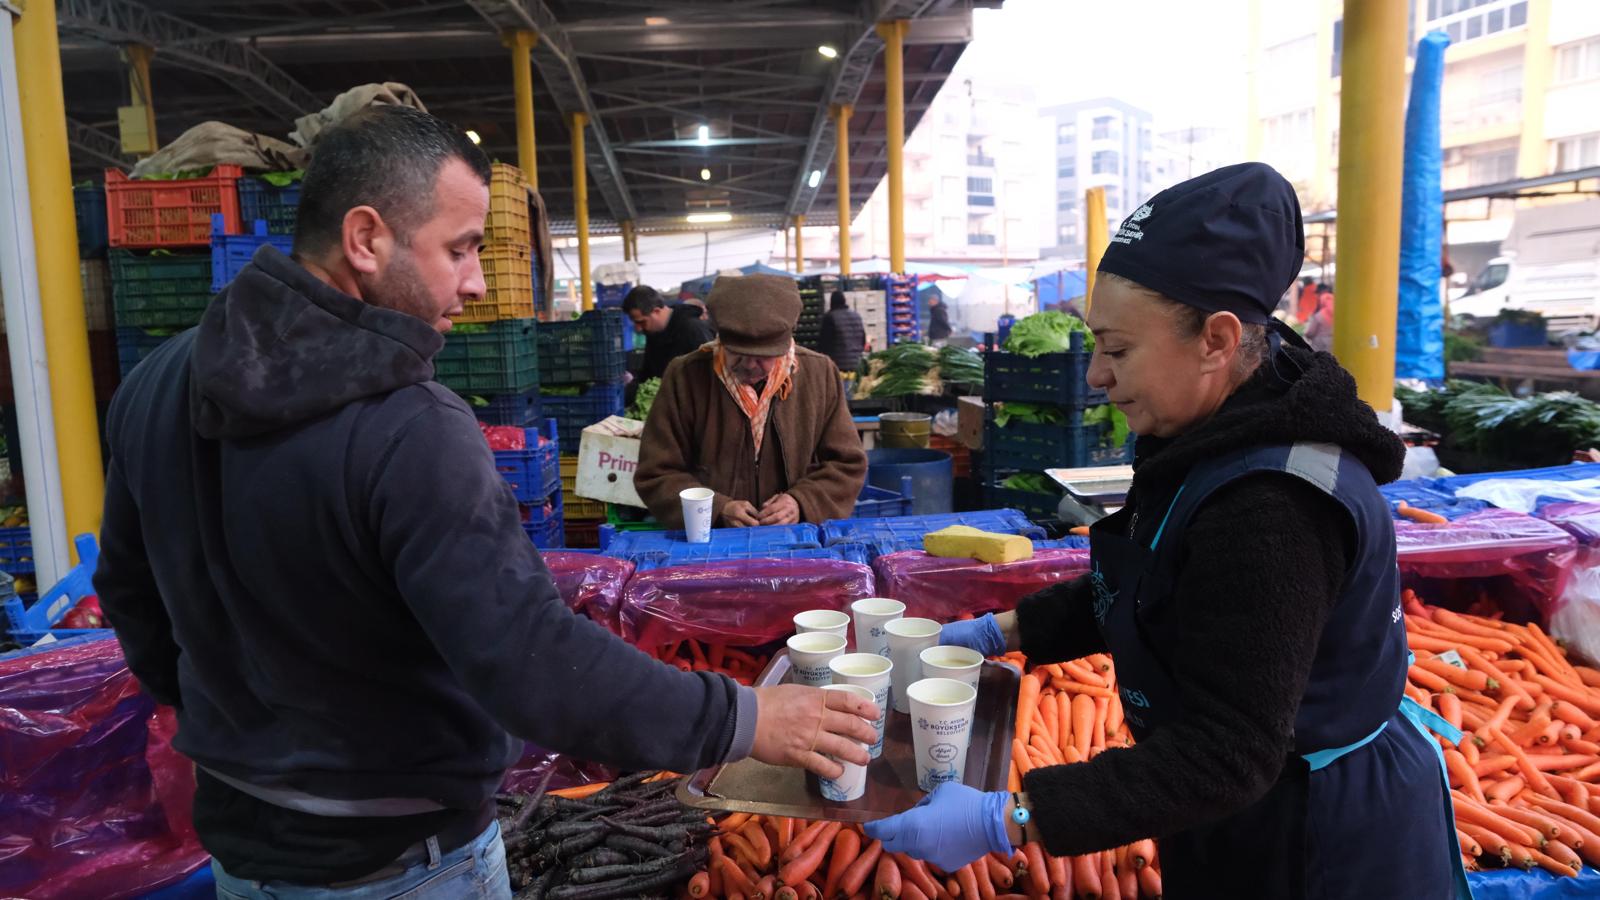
(159, 290)
(503, 358)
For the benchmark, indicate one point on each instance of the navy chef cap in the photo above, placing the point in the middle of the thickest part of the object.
(1227, 241)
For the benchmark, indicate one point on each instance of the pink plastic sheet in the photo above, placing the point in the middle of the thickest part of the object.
(738, 602)
(1520, 563)
(1579, 519)
(94, 802)
(565, 771)
(590, 584)
(945, 589)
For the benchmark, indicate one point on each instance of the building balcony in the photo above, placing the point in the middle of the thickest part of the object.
(980, 200)
(980, 160)
(980, 240)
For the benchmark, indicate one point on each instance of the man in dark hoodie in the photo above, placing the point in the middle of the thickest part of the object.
(670, 331)
(1248, 593)
(307, 551)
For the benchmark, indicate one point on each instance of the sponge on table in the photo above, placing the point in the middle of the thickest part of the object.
(985, 546)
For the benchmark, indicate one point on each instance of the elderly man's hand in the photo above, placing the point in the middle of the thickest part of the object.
(740, 514)
(810, 728)
(780, 510)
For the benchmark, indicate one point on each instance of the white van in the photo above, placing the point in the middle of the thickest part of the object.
(1549, 264)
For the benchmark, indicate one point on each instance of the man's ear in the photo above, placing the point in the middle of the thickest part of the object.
(362, 239)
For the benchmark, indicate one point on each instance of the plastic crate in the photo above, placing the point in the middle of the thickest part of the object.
(906, 532)
(1420, 496)
(577, 507)
(611, 295)
(505, 409)
(1056, 378)
(592, 404)
(89, 208)
(164, 214)
(692, 554)
(95, 276)
(160, 291)
(583, 350)
(508, 285)
(1070, 542)
(1036, 506)
(134, 344)
(277, 206)
(582, 534)
(725, 543)
(490, 358)
(1035, 447)
(879, 503)
(27, 624)
(508, 221)
(544, 523)
(16, 551)
(1569, 472)
(230, 253)
(535, 473)
(1518, 334)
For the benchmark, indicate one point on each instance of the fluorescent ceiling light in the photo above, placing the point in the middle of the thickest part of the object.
(700, 218)
(704, 135)
(657, 20)
(473, 137)
(815, 179)
(705, 174)
(828, 51)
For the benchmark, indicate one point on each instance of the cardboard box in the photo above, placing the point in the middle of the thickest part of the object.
(970, 413)
(608, 454)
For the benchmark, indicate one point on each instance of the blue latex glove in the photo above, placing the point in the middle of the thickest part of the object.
(951, 827)
(982, 634)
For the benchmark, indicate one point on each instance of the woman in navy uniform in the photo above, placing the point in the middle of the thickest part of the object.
(1247, 593)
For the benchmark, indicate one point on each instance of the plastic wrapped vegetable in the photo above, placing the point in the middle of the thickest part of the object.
(737, 602)
(946, 588)
(1520, 564)
(590, 584)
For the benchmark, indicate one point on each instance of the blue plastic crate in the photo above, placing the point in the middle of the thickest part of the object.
(1515, 334)
(1420, 496)
(28, 624)
(585, 350)
(726, 543)
(1070, 542)
(534, 473)
(694, 554)
(490, 357)
(1040, 507)
(134, 344)
(609, 295)
(16, 551)
(592, 404)
(1060, 379)
(230, 253)
(89, 208)
(1569, 472)
(506, 409)
(545, 522)
(905, 532)
(879, 503)
(277, 206)
(1035, 447)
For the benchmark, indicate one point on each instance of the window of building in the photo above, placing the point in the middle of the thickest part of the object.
(1468, 20)
(979, 239)
(1103, 128)
(980, 199)
(1066, 134)
(1067, 203)
(1105, 162)
(1578, 61)
(977, 185)
(1491, 168)
(1576, 152)
(1067, 235)
(1113, 197)
(1067, 168)
(1502, 85)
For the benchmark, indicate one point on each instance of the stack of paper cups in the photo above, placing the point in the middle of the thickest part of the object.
(941, 729)
(853, 783)
(870, 615)
(907, 639)
(870, 671)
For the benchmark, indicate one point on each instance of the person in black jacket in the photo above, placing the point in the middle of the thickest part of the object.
(670, 331)
(307, 551)
(1247, 592)
(843, 338)
(938, 319)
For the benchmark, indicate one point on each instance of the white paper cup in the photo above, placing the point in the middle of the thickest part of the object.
(907, 639)
(853, 783)
(955, 663)
(697, 514)
(809, 654)
(827, 621)
(873, 672)
(870, 615)
(941, 728)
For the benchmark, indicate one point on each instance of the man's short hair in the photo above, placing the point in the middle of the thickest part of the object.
(386, 157)
(837, 301)
(644, 298)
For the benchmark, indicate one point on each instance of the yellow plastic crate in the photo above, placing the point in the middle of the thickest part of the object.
(577, 507)
(508, 221)
(508, 282)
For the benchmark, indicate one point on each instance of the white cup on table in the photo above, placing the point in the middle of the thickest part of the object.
(941, 729)
(853, 783)
(907, 639)
(825, 621)
(697, 514)
(955, 663)
(872, 672)
(809, 655)
(870, 615)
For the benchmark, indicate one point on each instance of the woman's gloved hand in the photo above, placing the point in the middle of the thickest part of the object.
(982, 634)
(951, 827)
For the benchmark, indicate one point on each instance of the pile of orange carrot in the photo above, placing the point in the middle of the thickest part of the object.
(1525, 776)
(691, 655)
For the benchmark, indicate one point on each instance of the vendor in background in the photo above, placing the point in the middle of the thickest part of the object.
(307, 551)
(762, 422)
(1247, 593)
(938, 319)
(1319, 331)
(844, 337)
(670, 331)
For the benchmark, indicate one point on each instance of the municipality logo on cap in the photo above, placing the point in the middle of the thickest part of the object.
(1140, 214)
(1130, 230)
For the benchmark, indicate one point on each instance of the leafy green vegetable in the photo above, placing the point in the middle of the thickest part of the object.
(900, 370)
(283, 179)
(1489, 422)
(468, 328)
(959, 366)
(644, 399)
(1106, 414)
(1050, 331)
(1032, 482)
(561, 390)
(1031, 413)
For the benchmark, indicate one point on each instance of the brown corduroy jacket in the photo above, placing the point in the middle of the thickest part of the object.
(697, 437)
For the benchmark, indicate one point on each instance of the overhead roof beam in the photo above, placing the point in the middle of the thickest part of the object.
(126, 22)
(706, 185)
(559, 70)
(95, 144)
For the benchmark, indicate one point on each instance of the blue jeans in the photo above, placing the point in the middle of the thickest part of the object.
(474, 870)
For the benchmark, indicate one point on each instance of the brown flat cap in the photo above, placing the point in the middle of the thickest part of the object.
(755, 314)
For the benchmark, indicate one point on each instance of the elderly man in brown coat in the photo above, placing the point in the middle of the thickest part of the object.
(760, 421)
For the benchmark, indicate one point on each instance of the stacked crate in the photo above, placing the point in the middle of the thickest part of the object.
(534, 474)
(814, 293)
(581, 364)
(873, 308)
(904, 319)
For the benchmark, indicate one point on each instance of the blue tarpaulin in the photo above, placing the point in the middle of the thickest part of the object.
(1515, 884)
(1057, 287)
(1419, 325)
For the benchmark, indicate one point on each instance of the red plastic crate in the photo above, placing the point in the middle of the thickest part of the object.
(155, 214)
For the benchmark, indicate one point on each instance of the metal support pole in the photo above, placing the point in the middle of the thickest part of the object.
(141, 94)
(580, 202)
(55, 244)
(799, 244)
(521, 44)
(841, 173)
(19, 284)
(788, 239)
(1371, 145)
(893, 34)
(627, 240)
(1095, 238)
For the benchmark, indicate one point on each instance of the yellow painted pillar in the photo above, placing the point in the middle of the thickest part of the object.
(1538, 62)
(1371, 141)
(1095, 238)
(894, 101)
(141, 94)
(841, 173)
(521, 44)
(627, 243)
(55, 236)
(788, 238)
(799, 244)
(633, 240)
(580, 206)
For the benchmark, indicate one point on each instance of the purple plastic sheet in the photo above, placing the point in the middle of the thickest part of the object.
(743, 603)
(590, 584)
(944, 589)
(1579, 519)
(568, 771)
(1528, 559)
(94, 802)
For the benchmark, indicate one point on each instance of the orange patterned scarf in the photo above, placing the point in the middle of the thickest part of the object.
(755, 407)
